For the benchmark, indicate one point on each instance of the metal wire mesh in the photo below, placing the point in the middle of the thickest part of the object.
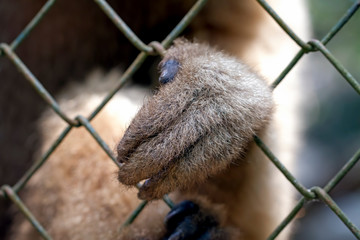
(315, 192)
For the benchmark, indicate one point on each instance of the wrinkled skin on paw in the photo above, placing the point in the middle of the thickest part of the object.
(201, 119)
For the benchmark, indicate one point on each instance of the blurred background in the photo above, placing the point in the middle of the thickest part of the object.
(332, 134)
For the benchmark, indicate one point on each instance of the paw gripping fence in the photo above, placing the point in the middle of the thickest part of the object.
(156, 48)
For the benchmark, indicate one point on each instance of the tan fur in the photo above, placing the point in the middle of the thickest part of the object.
(195, 126)
(76, 194)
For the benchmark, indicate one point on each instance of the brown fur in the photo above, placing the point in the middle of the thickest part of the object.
(195, 126)
(76, 196)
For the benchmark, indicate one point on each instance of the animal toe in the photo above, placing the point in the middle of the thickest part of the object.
(188, 221)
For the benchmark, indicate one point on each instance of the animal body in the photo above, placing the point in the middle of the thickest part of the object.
(192, 139)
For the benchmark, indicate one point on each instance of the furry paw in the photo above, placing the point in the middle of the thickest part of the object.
(200, 121)
(188, 221)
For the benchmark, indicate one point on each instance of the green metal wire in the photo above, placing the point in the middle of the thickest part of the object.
(35, 83)
(183, 23)
(322, 195)
(97, 137)
(283, 25)
(308, 195)
(305, 192)
(33, 23)
(37, 165)
(21, 206)
(121, 25)
(134, 214)
(287, 69)
(168, 201)
(331, 184)
(343, 171)
(288, 219)
(122, 81)
(333, 31)
(341, 69)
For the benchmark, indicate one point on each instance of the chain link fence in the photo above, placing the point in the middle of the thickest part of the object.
(313, 193)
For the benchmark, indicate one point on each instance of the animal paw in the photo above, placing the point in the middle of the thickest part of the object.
(188, 221)
(201, 119)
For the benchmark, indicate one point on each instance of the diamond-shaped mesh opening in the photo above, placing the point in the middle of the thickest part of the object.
(305, 47)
